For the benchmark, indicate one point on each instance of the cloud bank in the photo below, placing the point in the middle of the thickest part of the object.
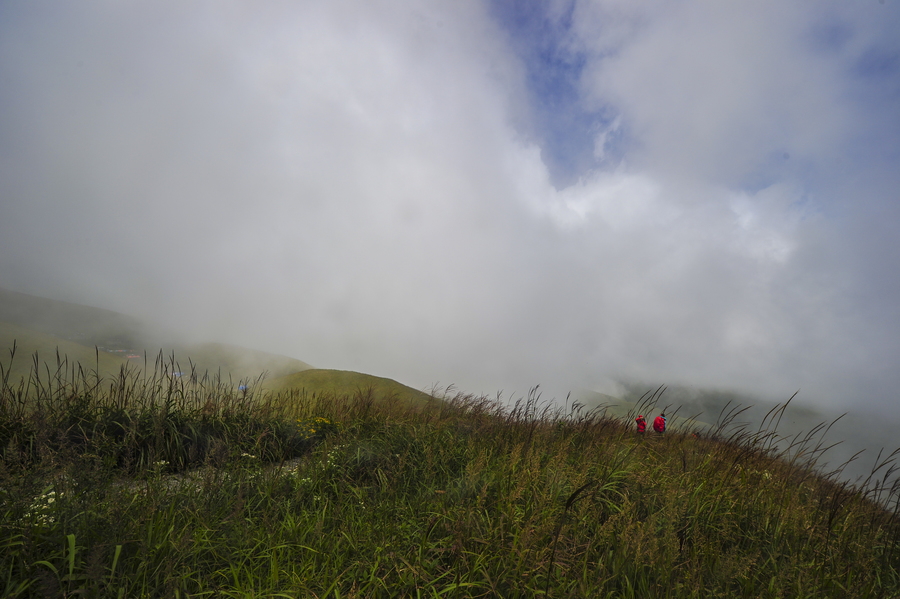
(468, 193)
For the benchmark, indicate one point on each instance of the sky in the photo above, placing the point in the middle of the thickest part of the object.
(489, 194)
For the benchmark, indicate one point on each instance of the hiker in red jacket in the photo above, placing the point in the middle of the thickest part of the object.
(641, 424)
(659, 425)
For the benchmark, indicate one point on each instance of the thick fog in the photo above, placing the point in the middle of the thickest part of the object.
(476, 193)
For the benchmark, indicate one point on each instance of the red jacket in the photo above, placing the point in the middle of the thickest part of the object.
(659, 425)
(641, 423)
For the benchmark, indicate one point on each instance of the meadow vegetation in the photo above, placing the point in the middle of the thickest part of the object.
(342, 382)
(152, 484)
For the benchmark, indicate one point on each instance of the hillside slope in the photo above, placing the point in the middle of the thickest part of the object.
(222, 359)
(29, 342)
(85, 325)
(44, 325)
(343, 382)
(347, 497)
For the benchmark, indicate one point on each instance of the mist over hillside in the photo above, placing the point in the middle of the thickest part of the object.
(44, 325)
(85, 325)
(104, 339)
(855, 438)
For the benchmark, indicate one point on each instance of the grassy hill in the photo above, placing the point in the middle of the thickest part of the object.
(628, 407)
(43, 325)
(465, 498)
(29, 342)
(82, 335)
(234, 361)
(83, 325)
(311, 489)
(337, 383)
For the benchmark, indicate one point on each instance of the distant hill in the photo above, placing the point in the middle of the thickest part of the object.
(28, 342)
(238, 362)
(343, 382)
(44, 325)
(622, 407)
(84, 325)
(590, 400)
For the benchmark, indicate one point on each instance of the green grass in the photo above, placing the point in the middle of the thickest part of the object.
(227, 361)
(234, 362)
(86, 334)
(325, 382)
(29, 343)
(644, 403)
(150, 485)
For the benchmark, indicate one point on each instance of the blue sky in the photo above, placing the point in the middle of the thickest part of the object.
(491, 194)
(564, 127)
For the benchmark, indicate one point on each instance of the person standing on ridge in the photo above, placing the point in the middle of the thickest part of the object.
(659, 425)
(641, 424)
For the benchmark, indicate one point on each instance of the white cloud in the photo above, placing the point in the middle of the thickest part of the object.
(711, 89)
(346, 183)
